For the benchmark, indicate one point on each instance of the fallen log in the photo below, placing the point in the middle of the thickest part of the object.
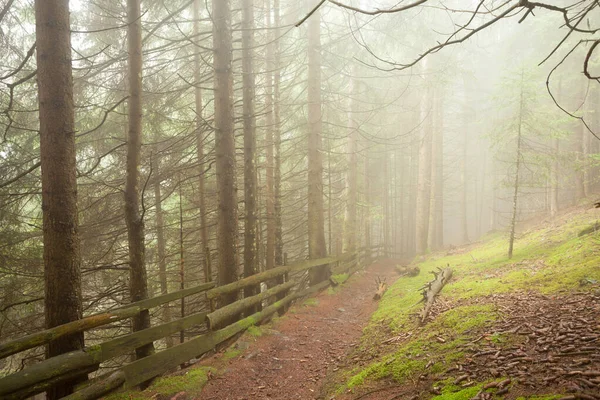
(404, 270)
(381, 288)
(433, 288)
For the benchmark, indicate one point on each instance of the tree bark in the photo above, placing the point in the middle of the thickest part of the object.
(269, 144)
(277, 114)
(351, 227)
(62, 262)
(513, 220)
(423, 181)
(138, 286)
(554, 179)
(200, 129)
(316, 227)
(249, 118)
(161, 245)
(434, 197)
(225, 147)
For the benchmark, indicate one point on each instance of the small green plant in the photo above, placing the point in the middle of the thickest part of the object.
(311, 302)
(255, 331)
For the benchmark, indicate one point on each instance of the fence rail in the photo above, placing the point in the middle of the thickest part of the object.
(50, 372)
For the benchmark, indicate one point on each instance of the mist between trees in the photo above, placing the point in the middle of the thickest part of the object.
(189, 141)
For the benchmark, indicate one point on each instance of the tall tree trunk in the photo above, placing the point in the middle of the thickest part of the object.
(270, 162)
(464, 188)
(62, 263)
(385, 192)
(225, 147)
(581, 156)
(433, 197)
(439, 232)
(513, 220)
(200, 129)
(161, 244)
(250, 259)
(316, 228)
(351, 227)
(277, 138)
(554, 178)
(413, 185)
(367, 206)
(134, 218)
(424, 181)
(580, 187)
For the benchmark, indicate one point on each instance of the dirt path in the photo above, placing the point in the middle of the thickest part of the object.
(293, 360)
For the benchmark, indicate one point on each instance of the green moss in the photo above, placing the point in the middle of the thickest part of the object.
(128, 395)
(231, 353)
(311, 302)
(255, 331)
(412, 358)
(463, 394)
(340, 278)
(191, 383)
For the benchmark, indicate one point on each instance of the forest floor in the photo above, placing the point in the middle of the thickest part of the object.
(524, 328)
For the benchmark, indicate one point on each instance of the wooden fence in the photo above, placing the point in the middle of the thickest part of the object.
(39, 377)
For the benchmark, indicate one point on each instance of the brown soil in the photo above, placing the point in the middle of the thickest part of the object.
(293, 359)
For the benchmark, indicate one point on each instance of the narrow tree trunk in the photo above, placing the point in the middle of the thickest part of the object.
(181, 260)
(200, 129)
(439, 239)
(277, 139)
(580, 157)
(225, 147)
(367, 206)
(62, 263)
(161, 245)
(316, 229)
(585, 154)
(554, 179)
(434, 195)
(463, 216)
(351, 227)
(387, 216)
(413, 185)
(133, 216)
(423, 182)
(513, 220)
(250, 259)
(269, 169)
(403, 225)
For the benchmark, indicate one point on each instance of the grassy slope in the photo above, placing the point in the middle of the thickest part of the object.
(547, 260)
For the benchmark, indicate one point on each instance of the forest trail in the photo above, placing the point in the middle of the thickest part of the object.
(293, 358)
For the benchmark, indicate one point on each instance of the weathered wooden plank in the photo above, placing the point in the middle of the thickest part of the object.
(93, 321)
(215, 318)
(100, 388)
(48, 335)
(40, 387)
(166, 298)
(118, 346)
(266, 275)
(59, 367)
(55, 368)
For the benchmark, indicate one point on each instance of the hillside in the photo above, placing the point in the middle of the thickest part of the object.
(529, 326)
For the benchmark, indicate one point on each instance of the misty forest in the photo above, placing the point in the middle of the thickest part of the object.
(300, 199)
